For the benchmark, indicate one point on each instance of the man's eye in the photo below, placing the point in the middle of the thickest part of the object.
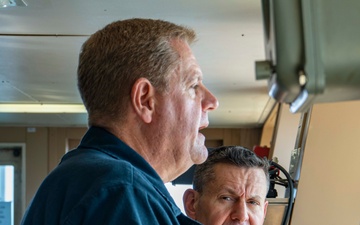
(195, 86)
(226, 198)
(253, 202)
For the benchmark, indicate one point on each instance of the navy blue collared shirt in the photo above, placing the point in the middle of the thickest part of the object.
(103, 182)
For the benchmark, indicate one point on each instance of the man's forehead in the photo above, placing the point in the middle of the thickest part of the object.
(226, 174)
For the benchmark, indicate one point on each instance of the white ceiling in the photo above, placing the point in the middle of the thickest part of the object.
(40, 42)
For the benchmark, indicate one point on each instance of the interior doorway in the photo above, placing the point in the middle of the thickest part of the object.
(12, 181)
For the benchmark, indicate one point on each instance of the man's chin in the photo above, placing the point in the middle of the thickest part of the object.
(201, 154)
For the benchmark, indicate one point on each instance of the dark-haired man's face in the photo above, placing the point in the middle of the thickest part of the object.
(235, 196)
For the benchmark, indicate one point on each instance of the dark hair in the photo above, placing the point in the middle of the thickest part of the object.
(234, 155)
(113, 58)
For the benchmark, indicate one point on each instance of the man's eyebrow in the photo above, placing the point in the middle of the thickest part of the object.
(257, 197)
(195, 76)
(233, 192)
(228, 189)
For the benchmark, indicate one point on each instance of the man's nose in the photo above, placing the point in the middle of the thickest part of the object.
(240, 212)
(209, 102)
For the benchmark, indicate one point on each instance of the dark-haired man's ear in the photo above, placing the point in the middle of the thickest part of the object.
(143, 99)
(189, 198)
(265, 208)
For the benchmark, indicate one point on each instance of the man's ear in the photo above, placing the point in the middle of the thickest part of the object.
(189, 200)
(143, 99)
(265, 208)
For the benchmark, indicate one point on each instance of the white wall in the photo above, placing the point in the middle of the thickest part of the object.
(329, 186)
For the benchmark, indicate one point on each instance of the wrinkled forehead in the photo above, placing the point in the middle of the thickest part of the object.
(239, 178)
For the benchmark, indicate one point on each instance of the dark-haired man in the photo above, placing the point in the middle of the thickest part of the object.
(230, 187)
